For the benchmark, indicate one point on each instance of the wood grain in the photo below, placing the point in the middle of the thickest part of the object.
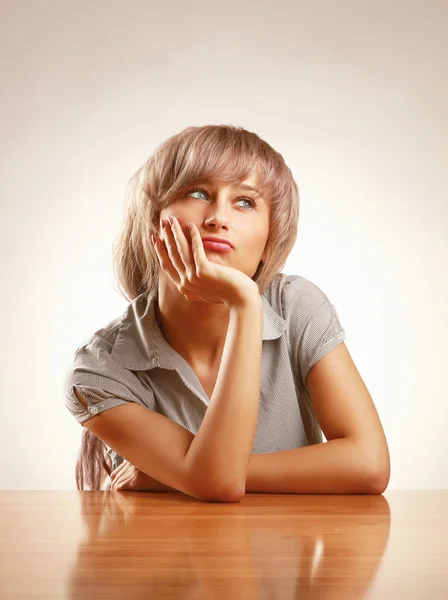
(70, 544)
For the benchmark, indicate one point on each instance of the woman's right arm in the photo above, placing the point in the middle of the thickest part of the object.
(211, 465)
(218, 457)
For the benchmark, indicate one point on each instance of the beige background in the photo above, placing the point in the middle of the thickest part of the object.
(355, 97)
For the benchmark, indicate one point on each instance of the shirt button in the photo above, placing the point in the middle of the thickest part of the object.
(93, 410)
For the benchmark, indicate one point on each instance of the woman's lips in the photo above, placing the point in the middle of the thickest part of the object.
(217, 246)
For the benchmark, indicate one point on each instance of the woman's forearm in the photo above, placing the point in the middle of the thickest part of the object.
(333, 467)
(220, 452)
(338, 466)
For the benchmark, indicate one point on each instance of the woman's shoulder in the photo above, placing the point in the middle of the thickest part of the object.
(104, 336)
(107, 332)
(312, 327)
(294, 293)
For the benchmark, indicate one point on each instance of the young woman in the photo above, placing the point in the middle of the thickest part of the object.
(222, 372)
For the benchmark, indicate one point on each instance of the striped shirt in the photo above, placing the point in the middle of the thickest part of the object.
(129, 360)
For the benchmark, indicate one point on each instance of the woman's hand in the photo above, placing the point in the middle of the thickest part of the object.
(128, 477)
(196, 277)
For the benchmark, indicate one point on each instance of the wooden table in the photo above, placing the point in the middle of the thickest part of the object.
(108, 544)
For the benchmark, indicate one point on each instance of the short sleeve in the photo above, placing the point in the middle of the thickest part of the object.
(102, 382)
(313, 323)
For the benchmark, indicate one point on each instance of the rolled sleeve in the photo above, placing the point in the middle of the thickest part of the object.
(102, 383)
(314, 327)
(322, 333)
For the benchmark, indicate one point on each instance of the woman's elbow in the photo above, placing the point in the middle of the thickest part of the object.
(379, 480)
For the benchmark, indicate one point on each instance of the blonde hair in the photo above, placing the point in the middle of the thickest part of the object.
(228, 153)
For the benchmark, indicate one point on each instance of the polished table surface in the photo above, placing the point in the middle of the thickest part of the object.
(121, 544)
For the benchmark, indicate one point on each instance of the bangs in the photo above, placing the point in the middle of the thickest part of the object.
(229, 156)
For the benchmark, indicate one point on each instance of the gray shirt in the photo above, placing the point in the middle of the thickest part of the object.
(129, 360)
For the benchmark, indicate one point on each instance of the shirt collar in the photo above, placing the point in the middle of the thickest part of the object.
(140, 344)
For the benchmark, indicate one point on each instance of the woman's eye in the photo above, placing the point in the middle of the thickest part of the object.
(196, 192)
(252, 203)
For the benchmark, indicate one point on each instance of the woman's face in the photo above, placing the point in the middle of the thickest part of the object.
(238, 214)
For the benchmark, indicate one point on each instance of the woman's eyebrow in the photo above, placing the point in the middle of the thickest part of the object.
(243, 186)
